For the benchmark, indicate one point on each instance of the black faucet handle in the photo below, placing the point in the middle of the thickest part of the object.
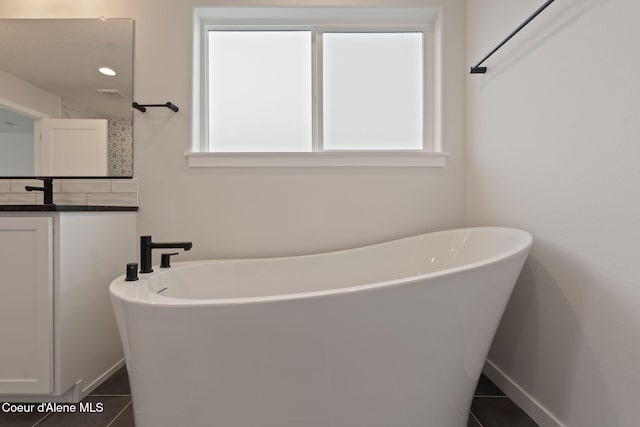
(132, 272)
(165, 260)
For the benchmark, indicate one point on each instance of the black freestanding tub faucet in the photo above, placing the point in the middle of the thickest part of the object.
(146, 245)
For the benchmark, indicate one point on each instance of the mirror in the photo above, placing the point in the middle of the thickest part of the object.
(59, 115)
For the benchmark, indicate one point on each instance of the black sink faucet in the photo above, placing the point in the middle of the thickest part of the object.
(146, 245)
(47, 189)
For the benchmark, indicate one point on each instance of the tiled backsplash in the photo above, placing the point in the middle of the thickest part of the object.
(81, 192)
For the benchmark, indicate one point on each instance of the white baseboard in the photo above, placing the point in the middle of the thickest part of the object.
(531, 406)
(105, 375)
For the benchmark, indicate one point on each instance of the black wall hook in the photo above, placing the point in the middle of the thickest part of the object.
(143, 108)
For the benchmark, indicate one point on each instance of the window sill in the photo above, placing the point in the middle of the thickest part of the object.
(321, 159)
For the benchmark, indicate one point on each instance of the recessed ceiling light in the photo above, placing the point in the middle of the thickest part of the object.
(107, 71)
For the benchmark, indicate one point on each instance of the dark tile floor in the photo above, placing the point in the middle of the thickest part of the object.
(490, 408)
(114, 396)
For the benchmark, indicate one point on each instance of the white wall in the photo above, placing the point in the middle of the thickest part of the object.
(16, 153)
(15, 92)
(262, 211)
(553, 148)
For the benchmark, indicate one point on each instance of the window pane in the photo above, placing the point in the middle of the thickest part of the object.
(372, 88)
(260, 91)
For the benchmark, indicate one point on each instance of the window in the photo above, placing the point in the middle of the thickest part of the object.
(323, 81)
(372, 91)
(260, 92)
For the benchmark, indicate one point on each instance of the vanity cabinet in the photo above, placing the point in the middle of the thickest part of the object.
(58, 336)
(26, 306)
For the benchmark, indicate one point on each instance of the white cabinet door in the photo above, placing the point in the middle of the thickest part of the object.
(26, 305)
(71, 147)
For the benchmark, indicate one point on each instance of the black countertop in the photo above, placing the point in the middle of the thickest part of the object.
(65, 208)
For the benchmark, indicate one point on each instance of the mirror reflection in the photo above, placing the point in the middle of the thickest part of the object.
(66, 87)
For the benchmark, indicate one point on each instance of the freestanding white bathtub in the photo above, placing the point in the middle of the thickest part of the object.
(389, 335)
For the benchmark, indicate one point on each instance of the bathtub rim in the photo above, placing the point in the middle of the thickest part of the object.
(118, 287)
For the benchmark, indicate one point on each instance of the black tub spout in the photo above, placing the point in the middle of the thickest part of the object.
(146, 246)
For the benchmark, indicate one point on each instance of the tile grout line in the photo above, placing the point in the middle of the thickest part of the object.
(41, 419)
(109, 395)
(474, 417)
(119, 413)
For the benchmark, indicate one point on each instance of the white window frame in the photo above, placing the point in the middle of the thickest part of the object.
(320, 21)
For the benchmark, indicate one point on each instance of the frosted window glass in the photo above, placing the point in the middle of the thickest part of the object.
(260, 91)
(372, 89)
